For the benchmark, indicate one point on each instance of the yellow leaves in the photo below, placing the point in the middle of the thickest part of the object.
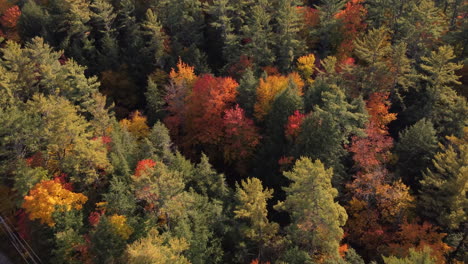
(136, 125)
(46, 197)
(269, 88)
(184, 75)
(119, 222)
(306, 67)
(158, 249)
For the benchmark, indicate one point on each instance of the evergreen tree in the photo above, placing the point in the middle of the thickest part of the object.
(415, 149)
(325, 131)
(316, 218)
(258, 34)
(34, 21)
(246, 91)
(288, 44)
(252, 206)
(154, 36)
(102, 21)
(443, 189)
(155, 101)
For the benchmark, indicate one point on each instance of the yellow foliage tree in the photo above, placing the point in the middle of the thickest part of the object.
(136, 125)
(48, 196)
(269, 88)
(119, 222)
(306, 67)
(158, 249)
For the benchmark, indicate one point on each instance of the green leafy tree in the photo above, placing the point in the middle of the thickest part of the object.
(416, 257)
(155, 100)
(316, 219)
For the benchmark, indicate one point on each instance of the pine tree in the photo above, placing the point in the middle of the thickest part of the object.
(415, 149)
(258, 34)
(246, 91)
(288, 44)
(325, 131)
(102, 21)
(252, 206)
(154, 42)
(316, 218)
(443, 189)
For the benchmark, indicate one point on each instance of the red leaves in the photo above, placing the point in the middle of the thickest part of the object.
(143, 166)
(210, 97)
(293, 126)
(241, 136)
(372, 151)
(94, 218)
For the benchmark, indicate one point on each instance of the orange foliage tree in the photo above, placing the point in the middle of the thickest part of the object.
(352, 17)
(143, 166)
(414, 235)
(210, 97)
(48, 196)
(377, 203)
(270, 87)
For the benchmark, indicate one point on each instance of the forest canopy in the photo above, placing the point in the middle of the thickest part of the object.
(234, 131)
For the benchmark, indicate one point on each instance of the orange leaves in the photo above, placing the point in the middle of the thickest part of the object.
(270, 87)
(10, 17)
(372, 151)
(378, 106)
(414, 235)
(46, 197)
(136, 125)
(293, 126)
(143, 166)
(241, 136)
(210, 97)
(353, 17)
(184, 75)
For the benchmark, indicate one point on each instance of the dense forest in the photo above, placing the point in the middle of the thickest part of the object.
(234, 131)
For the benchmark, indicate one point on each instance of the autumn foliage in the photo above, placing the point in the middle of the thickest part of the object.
(143, 166)
(241, 136)
(136, 125)
(352, 17)
(270, 87)
(48, 196)
(210, 97)
(373, 150)
(10, 17)
(293, 126)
